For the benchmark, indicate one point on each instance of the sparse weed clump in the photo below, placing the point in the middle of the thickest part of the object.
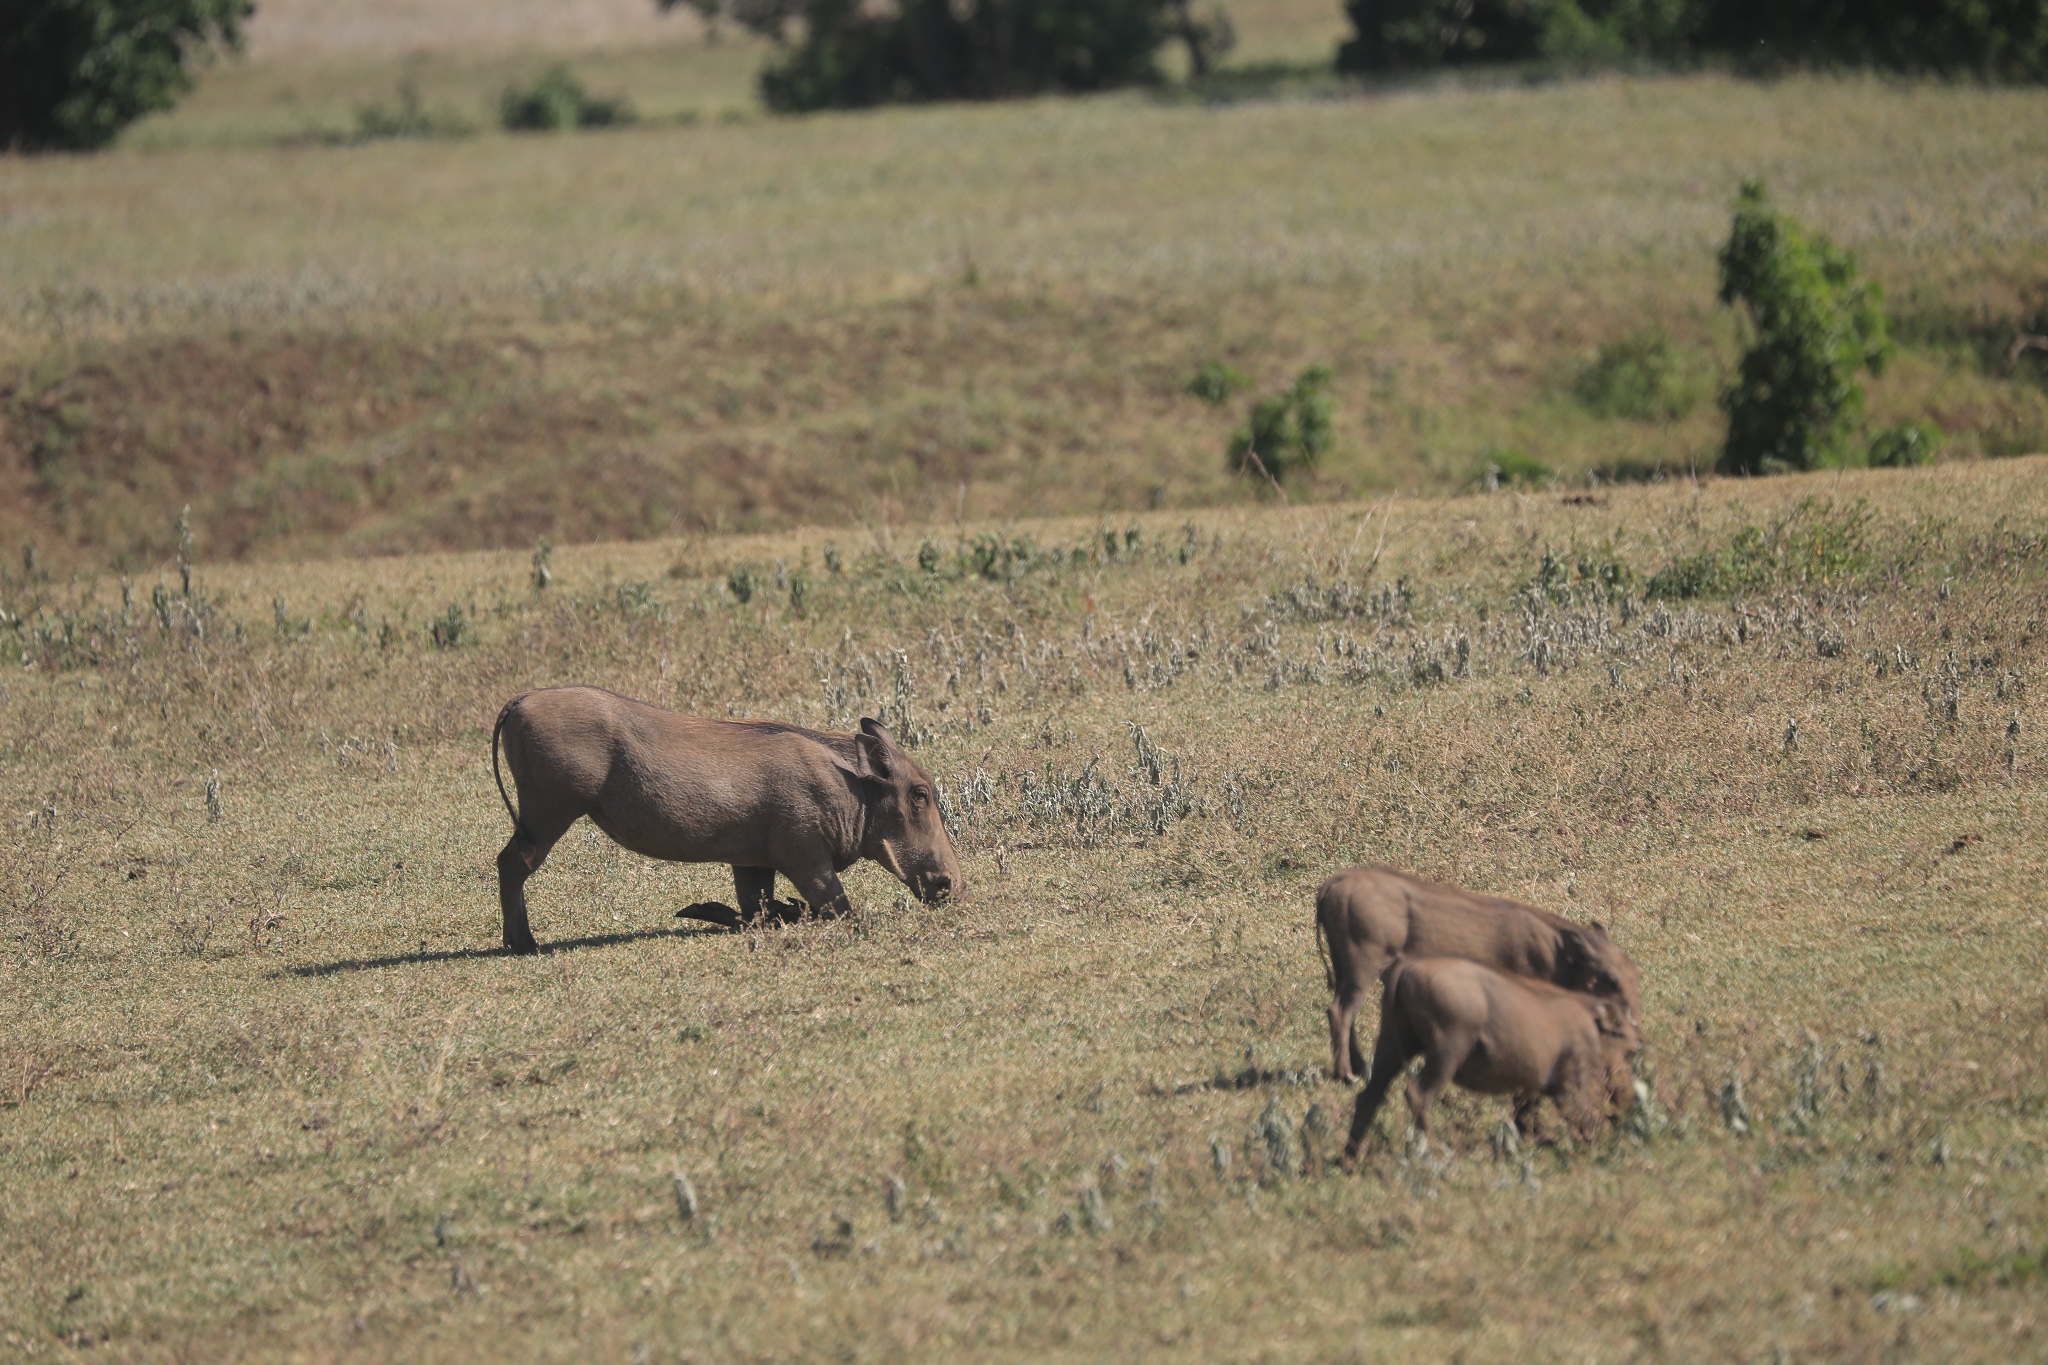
(409, 117)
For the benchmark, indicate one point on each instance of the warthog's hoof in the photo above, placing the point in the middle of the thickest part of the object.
(711, 912)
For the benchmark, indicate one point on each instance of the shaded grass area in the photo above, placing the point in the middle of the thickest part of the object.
(900, 314)
(269, 1088)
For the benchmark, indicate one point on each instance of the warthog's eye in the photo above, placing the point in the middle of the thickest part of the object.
(918, 796)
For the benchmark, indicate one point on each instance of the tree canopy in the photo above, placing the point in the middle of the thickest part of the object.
(73, 73)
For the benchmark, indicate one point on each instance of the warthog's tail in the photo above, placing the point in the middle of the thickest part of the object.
(518, 825)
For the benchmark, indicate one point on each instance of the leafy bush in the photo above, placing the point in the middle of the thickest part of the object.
(854, 54)
(558, 102)
(1288, 430)
(1503, 466)
(73, 73)
(1637, 377)
(1903, 445)
(1217, 383)
(1815, 326)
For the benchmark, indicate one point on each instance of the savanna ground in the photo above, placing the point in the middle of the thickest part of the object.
(271, 1089)
(869, 400)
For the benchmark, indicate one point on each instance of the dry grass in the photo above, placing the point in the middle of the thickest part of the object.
(271, 1091)
(760, 324)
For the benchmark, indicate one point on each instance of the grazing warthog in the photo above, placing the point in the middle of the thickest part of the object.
(762, 796)
(1499, 1035)
(1369, 915)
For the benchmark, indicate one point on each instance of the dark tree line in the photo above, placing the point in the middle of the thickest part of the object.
(74, 72)
(1999, 39)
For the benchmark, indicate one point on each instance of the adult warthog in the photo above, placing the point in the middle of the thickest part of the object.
(762, 796)
(1497, 1034)
(1369, 915)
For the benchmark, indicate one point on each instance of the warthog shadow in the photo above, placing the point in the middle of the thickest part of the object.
(370, 964)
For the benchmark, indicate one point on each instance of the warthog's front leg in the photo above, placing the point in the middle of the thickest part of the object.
(756, 888)
(1392, 1050)
(821, 890)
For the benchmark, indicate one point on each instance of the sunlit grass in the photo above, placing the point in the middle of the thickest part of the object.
(270, 1087)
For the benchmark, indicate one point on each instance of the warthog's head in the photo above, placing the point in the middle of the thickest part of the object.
(1620, 1040)
(1590, 961)
(904, 832)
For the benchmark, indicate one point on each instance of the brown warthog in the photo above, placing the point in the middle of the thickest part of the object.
(762, 796)
(1499, 1035)
(1368, 915)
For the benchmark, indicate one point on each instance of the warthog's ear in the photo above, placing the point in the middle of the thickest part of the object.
(873, 745)
(1574, 961)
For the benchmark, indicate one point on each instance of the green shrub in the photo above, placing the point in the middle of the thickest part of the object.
(558, 102)
(1814, 326)
(1904, 444)
(1511, 467)
(1813, 542)
(1217, 383)
(73, 73)
(1288, 430)
(1637, 377)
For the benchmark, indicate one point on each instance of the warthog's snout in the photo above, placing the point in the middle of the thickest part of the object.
(938, 888)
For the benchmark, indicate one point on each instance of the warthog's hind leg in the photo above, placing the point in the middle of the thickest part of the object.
(1347, 1059)
(518, 860)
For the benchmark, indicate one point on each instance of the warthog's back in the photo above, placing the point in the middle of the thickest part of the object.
(1405, 914)
(1522, 1028)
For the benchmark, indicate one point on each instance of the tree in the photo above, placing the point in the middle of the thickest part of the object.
(1814, 327)
(73, 73)
(855, 53)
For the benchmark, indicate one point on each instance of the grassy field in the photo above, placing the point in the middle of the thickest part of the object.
(736, 323)
(270, 1091)
(887, 414)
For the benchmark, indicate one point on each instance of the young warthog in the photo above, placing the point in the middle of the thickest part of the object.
(1499, 1035)
(762, 796)
(1369, 915)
